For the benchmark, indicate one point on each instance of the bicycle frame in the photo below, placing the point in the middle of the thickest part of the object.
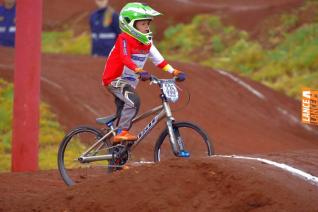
(161, 111)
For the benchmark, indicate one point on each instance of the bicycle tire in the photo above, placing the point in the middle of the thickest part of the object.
(63, 170)
(208, 146)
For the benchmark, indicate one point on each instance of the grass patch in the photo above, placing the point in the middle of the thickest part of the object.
(66, 42)
(285, 59)
(51, 132)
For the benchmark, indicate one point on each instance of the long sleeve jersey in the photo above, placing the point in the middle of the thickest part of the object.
(129, 54)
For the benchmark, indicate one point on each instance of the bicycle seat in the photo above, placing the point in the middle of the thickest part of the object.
(106, 119)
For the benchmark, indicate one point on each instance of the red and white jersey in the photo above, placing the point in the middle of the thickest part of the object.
(129, 54)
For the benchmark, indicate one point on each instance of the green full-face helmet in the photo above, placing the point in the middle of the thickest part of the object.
(133, 12)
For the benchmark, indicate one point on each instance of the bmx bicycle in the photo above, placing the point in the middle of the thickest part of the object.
(87, 151)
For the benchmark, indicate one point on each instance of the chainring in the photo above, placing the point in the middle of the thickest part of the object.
(120, 155)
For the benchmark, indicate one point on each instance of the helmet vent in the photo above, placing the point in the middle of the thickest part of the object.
(127, 20)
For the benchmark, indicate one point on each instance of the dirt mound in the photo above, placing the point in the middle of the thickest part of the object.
(214, 184)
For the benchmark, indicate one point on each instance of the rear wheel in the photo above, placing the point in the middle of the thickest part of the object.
(73, 146)
(193, 139)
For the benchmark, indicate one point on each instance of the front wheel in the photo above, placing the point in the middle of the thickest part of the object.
(194, 140)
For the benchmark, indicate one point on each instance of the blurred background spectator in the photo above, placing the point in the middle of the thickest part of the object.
(104, 26)
(7, 23)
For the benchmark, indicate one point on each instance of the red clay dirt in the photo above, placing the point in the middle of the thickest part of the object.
(239, 122)
(244, 14)
(214, 184)
(242, 117)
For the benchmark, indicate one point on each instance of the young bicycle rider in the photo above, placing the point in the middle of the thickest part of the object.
(124, 66)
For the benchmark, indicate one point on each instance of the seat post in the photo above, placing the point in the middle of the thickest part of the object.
(112, 128)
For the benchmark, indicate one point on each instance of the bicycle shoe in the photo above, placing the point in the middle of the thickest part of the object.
(124, 135)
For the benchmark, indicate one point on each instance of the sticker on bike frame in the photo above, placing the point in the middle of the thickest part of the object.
(170, 90)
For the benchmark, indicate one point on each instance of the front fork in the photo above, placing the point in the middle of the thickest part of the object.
(174, 135)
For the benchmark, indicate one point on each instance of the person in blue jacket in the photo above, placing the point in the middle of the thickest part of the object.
(104, 24)
(7, 23)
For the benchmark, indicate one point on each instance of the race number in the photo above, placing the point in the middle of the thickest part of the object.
(170, 91)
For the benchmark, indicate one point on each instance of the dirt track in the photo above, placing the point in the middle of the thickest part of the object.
(214, 184)
(242, 117)
(244, 14)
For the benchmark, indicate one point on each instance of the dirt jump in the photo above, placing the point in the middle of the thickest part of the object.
(266, 159)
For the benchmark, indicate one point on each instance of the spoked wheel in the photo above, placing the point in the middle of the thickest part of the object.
(73, 146)
(191, 137)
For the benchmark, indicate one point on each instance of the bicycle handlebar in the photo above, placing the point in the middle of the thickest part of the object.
(156, 80)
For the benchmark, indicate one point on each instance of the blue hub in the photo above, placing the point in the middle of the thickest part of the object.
(184, 154)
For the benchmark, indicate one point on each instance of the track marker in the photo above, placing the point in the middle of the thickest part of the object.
(243, 84)
(296, 172)
(91, 109)
(50, 82)
(295, 120)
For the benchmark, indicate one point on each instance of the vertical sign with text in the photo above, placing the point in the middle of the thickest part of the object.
(309, 106)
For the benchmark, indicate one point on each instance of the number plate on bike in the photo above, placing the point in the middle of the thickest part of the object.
(170, 90)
